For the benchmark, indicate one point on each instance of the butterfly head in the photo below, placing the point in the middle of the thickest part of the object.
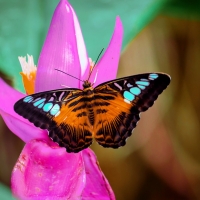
(86, 84)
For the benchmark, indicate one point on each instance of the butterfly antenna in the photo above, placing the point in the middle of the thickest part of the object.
(95, 63)
(69, 75)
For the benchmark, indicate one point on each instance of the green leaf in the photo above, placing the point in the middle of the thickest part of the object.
(97, 19)
(188, 9)
(5, 193)
(24, 25)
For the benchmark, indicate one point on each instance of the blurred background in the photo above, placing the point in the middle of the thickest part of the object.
(161, 159)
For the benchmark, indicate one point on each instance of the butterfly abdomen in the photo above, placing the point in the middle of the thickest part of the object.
(91, 116)
(88, 101)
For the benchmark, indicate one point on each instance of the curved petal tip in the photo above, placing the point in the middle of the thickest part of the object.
(97, 186)
(59, 52)
(107, 67)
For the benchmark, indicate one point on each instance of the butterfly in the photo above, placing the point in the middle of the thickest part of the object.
(109, 112)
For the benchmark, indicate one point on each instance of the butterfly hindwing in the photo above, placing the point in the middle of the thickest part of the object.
(54, 111)
(119, 103)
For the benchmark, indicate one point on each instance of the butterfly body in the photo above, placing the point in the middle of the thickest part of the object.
(108, 112)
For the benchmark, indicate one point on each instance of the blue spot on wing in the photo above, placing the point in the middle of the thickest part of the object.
(47, 107)
(55, 109)
(144, 79)
(145, 83)
(153, 76)
(38, 102)
(141, 87)
(28, 99)
(129, 96)
(41, 105)
(135, 90)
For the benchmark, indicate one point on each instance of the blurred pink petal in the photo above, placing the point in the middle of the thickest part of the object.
(59, 52)
(97, 186)
(46, 171)
(22, 128)
(8, 97)
(107, 67)
(17, 124)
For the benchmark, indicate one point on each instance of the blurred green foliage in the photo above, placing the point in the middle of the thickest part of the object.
(5, 193)
(187, 9)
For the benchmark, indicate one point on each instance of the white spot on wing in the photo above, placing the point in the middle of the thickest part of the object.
(61, 96)
(65, 118)
(118, 86)
(127, 101)
(57, 113)
(51, 99)
(129, 85)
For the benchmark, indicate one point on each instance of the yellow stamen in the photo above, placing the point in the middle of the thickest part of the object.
(28, 73)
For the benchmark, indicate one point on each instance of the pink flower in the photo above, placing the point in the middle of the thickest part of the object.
(44, 170)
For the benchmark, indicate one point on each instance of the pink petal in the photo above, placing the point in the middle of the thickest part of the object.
(107, 67)
(22, 128)
(59, 52)
(46, 171)
(8, 97)
(97, 186)
(83, 57)
(17, 124)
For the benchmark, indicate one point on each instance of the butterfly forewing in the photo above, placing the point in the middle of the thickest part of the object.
(119, 102)
(55, 111)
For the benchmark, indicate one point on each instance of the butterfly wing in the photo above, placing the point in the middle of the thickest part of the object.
(119, 102)
(55, 111)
